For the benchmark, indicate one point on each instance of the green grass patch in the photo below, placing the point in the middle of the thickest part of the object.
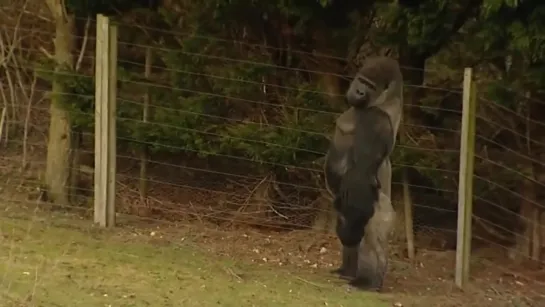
(45, 263)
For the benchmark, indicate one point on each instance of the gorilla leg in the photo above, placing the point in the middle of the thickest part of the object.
(385, 177)
(370, 258)
(373, 253)
(349, 266)
(350, 230)
(373, 250)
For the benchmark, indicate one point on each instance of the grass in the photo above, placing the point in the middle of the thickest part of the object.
(46, 261)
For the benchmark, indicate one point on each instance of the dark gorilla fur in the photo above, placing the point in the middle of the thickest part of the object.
(358, 170)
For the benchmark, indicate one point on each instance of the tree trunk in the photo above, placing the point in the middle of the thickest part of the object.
(326, 216)
(409, 217)
(57, 175)
(413, 65)
(528, 238)
(524, 238)
(74, 166)
(331, 85)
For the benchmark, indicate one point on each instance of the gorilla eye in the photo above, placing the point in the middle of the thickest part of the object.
(367, 82)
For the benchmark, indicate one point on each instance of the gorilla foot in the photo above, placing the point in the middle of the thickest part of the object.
(366, 284)
(343, 273)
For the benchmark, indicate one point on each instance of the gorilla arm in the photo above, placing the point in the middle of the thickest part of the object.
(363, 211)
(358, 196)
(365, 265)
(359, 186)
(336, 162)
(335, 167)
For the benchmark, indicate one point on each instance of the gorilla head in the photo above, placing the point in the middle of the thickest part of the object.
(375, 76)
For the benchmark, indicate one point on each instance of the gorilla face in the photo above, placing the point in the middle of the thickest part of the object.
(362, 91)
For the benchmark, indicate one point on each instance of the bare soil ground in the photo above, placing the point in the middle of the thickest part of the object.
(47, 260)
(57, 259)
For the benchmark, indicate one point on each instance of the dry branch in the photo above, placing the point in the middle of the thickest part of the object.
(2, 122)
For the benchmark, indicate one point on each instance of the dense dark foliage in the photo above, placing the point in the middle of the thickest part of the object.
(248, 78)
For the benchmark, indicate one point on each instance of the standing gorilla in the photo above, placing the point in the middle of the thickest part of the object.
(358, 170)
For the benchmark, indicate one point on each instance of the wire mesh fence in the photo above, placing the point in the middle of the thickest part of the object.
(220, 147)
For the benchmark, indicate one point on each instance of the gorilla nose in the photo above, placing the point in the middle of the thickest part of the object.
(352, 96)
(355, 99)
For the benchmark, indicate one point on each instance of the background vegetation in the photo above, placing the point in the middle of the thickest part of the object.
(263, 81)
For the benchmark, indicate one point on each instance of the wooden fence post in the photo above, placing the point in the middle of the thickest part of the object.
(409, 217)
(105, 131)
(144, 149)
(465, 185)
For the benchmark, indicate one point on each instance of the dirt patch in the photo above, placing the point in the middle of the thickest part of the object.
(46, 263)
(426, 282)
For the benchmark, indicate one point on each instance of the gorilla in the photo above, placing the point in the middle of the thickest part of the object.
(358, 171)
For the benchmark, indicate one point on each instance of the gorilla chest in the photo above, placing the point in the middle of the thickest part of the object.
(338, 158)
